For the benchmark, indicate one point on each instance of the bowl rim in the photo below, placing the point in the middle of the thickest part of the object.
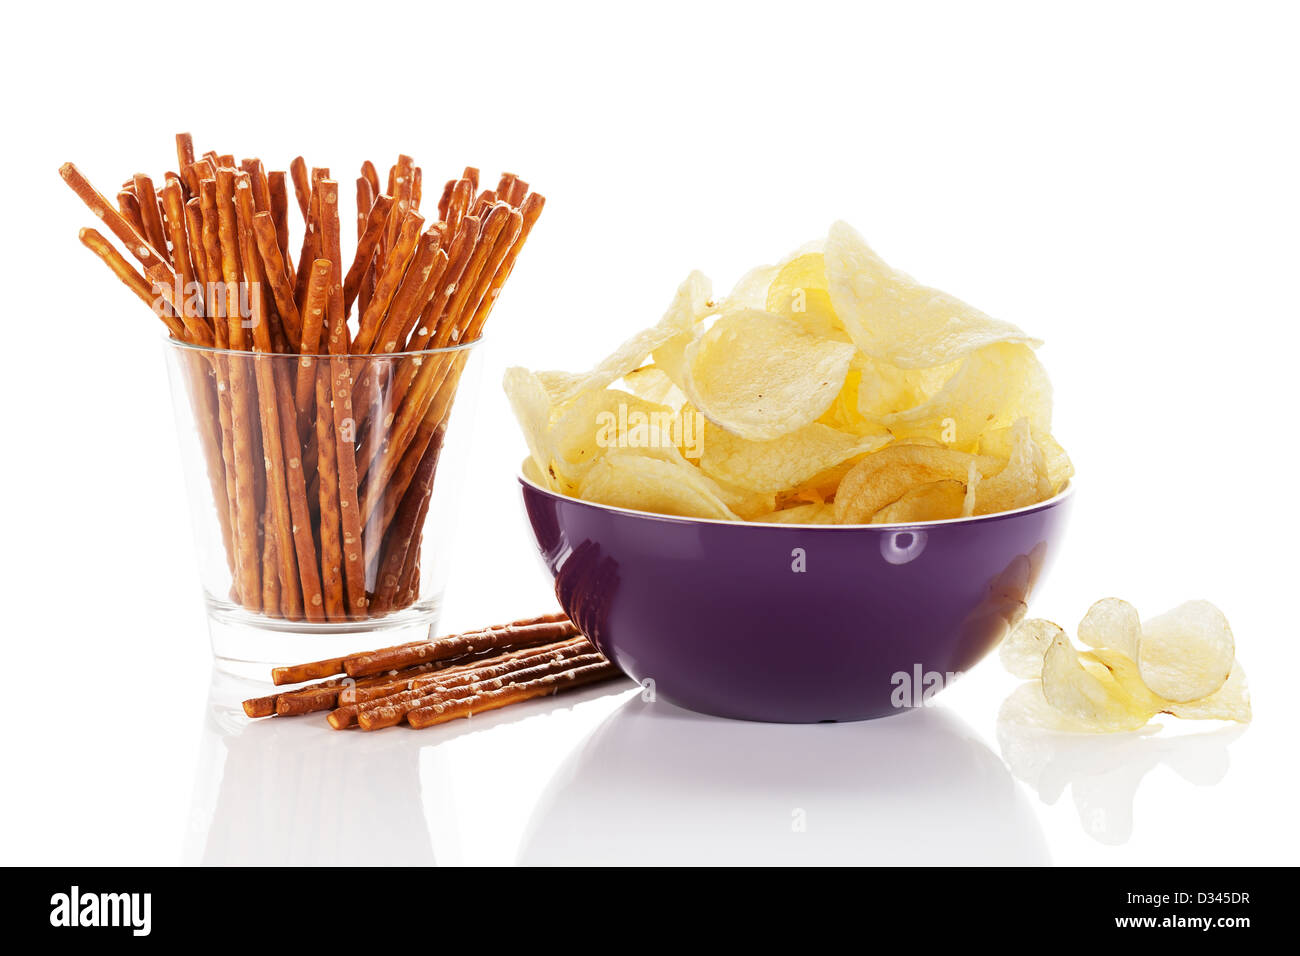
(1060, 497)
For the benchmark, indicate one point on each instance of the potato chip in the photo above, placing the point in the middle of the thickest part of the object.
(653, 384)
(751, 291)
(798, 292)
(992, 388)
(689, 305)
(934, 501)
(1187, 653)
(892, 317)
(1124, 671)
(1229, 702)
(783, 463)
(805, 372)
(1112, 623)
(999, 443)
(1023, 649)
(761, 376)
(747, 504)
(1022, 481)
(611, 418)
(813, 512)
(883, 477)
(626, 479)
(1090, 696)
(1027, 707)
(532, 407)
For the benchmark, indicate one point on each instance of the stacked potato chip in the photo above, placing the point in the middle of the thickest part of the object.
(830, 388)
(1182, 663)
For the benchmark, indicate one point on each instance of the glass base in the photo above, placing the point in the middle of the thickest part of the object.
(248, 644)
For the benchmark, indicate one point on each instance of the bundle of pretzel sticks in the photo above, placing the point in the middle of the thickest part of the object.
(321, 465)
(431, 682)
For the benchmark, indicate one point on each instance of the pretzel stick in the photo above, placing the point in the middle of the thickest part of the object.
(471, 174)
(529, 213)
(390, 711)
(184, 162)
(184, 223)
(511, 694)
(330, 666)
(490, 252)
(405, 525)
(506, 184)
(154, 264)
(413, 294)
(211, 247)
(517, 193)
(376, 220)
(277, 276)
(148, 199)
(354, 695)
(400, 190)
(299, 509)
(129, 206)
(445, 198)
(131, 278)
(459, 255)
(248, 563)
(301, 186)
(371, 176)
(313, 318)
(286, 452)
(457, 645)
(401, 252)
(279, 513)
(365, 201)
(270, 576)
(354, 572)
(458, 205)
(331, 547)
(194, 240)
(311, 248)
(191, 310)
(258, 182)
(280, 214)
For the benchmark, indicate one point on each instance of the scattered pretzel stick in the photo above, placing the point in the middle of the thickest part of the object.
(330, 666)
(376, 662)
(390, 711)
(511, 694)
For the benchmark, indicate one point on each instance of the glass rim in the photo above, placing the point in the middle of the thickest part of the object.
(252, 353)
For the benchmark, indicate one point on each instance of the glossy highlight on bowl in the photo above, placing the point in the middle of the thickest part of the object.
(792, 623)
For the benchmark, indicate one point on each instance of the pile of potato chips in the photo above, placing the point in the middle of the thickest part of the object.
(830, 388)
(1182, 663)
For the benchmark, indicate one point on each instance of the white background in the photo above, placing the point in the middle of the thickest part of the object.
(1119, 179)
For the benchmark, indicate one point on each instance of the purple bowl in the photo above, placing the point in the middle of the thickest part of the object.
(720, 618)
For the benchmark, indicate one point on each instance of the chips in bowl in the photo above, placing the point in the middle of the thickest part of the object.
(829, 388)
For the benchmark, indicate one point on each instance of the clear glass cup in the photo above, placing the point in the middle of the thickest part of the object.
(323, 493)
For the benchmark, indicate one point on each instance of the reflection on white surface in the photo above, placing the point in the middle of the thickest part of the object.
(656, 784)
(293, 792)
(1103, 771)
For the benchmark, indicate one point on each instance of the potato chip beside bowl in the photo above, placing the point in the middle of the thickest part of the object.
(816, 498)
